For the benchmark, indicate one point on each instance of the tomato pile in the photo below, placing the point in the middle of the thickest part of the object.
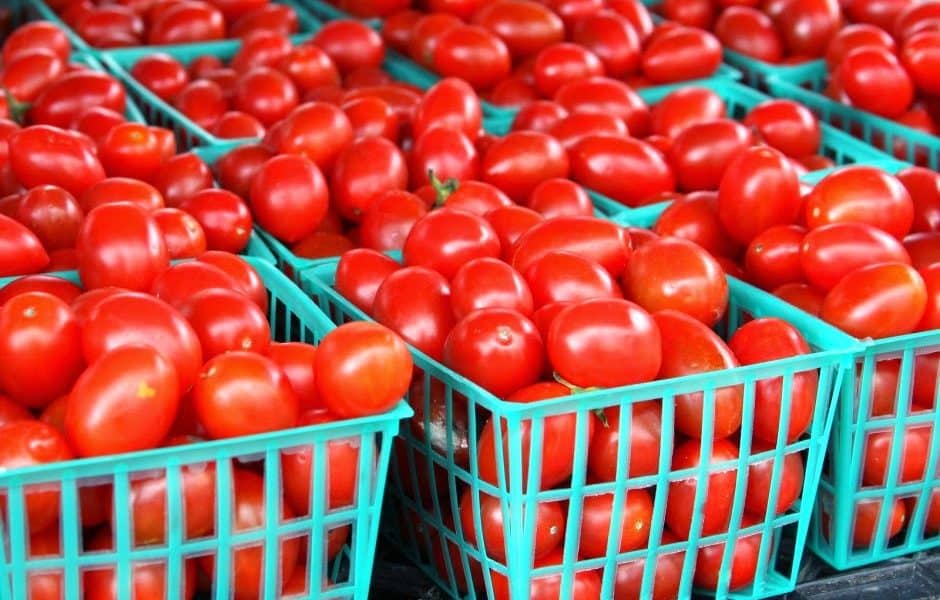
(119, 24)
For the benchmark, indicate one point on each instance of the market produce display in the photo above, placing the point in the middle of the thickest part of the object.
(654, 333)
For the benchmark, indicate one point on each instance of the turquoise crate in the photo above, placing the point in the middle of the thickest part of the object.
(38, 9)
(905, 143)
(406, 69)
(756, 72)
(293, 317)
(328, 12)
(419, 527)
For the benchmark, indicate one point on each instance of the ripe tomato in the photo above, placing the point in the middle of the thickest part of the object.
(645, 436)
(773, 257)
(244, 274)
(365, 169)
(690, 347)
(444, 240)
(521, 160)
(446, 153)
(560, 197)
(359, 273)
(242, 393)
(43, 155)
(867, 517)
(60, 288)
(120, 245)
(759, 480)
(203, 102)
(876, 301)
(161, 74)
(342, 463)
(489, 283)
(451, 103)
(589, 237)
(568, 277)
(186, 22)
(915, 441)
(226, 320)
(223, 217)
(563, 63)
(585, 585)
(52, 214)
(684, 107)
(122, 189)
(549, 525)
(182, 233)
(604, 342)
(571, 129)
(473, 54)
(350, 44)
(496, 336)
(599, 162)
(148, 504)
(803, 296)
(316, 130)
(744, 556)
(415, 303)
(36, 34)
(763, 340)
(695, 218)
(128, 384)
(860, 194)
(539, 115)
(667, 575)
(875, 80)
(266, 94)
(759, 189)
(923, 185)
(787, 126)
(362, 369)
(20, 249)
(751, 32)
(701, 153)
(672, 273)
(66, 98)
(857, 35)
(525, 27)
(597, 525)
(831, 252)
(510, 223)
(718, 495)
(372, 117)
(606, 95)
(681, 54)
(40, 340)
(289, 197)
(247, 561)
(182, 281)
(31, 443)
(426, 35)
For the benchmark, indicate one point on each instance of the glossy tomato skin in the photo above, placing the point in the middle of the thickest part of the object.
(773, 257)
(684, 107)
(606, 95)
(226, 320)
(877, 301)
(585, 585)
(44, 155)
(525, 27)
(597, 522)
(590, 237)
(749, 31)
(787, 126)
(645, 436)
(122, 189)
(568, 277)
(182, 233)
(21, 252)
(867, 518)
(671, 273)
(181, 281)
(496, 336)
(759, 480)
(241, 393)
(385, 225)
(521, 160)
(915, 442)
(316, 130)
(718, 496)
(60, 288)
(447, 153)
(600, 161)
(759, 189)
(224, 218)
(668, 574)
(854, 36)
(864, 71)
(366, 168)
(473, 54)
(681, 54)
(451, 103)
(860, 194)
(360, 272)
(604, 342)
(694, 217)
(560, 198)
(120, 245)
(129, 382)
(31, 443)
(363, 369)
(489, 283)
(66, 98)
(297, 360)
(510, 223)
(549, 519)
(289, 197)
(743, 563)
(764, 340)
(701, 153)
(415, 303)
(831, 252)
(243, 273)
(689, 347)
(924, 187)
(564, 63)
(446, 239)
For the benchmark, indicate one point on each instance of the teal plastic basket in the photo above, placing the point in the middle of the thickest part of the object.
(293, 316)
(905, 143)
(756, 72)
(328, 12)
(429, 530)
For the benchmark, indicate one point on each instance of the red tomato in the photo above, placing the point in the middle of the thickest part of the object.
(66, 98)
(30, 73)
(415, 303)
(568, 277)
(185, 22)
(365, 169)
(473, 54)
(539, 115)
(226, 320)
(272, 17)
(43, 155)
(446, 153)
(878, 300)
(803, 296)
(362, 369)
(695, 218)
(148, 504)
(243, 273)
(182, 281)
(764, 340)
(923, 185)
(915, 441)
(867, 517)
(671, 273)
(120, 245)
(690, 347)
(289, 197)
(645, 436)
(759, 189)
(787, 126)
(309, 67)
(161, 74)
(350, 44)
(297, 361)
(122, 189)
(604, 342)
(316, 130)
(571, 129)
(266, 94)
(260, 49)
(751, 32)
(36, 34)
(563, 63)
(242, 393)
(426, 35)
(560, 197)
(451, 103)
(21, 251)
(719, 493)
(744, 557)
(585, 584)
(372, 117)
(549, 524)
(52, 214)
(603, 162)
(773, 257)
(760, 478)
(444, 240)
(60, 288)
(867, 72)
(525, 27)
(856, 35)
(96, 122)
(597, 525)
(701, 153)
(684, 107)
(831, 252)
(589, 237)
(473, 197)
(521, 160)
(235, 124)
(130, 383)
(386, 223)
(860, 194)
(203, 102)
(807, 26)
(182, 233)
(489, 283)
(28, 444)
(667, 575)
(510, 223)
(681, 54)
(606, 95)
(223, 217)
(923, 248)
(613, 39)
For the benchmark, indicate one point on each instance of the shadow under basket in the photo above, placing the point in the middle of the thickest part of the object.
(86, 523)
(439, 481)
